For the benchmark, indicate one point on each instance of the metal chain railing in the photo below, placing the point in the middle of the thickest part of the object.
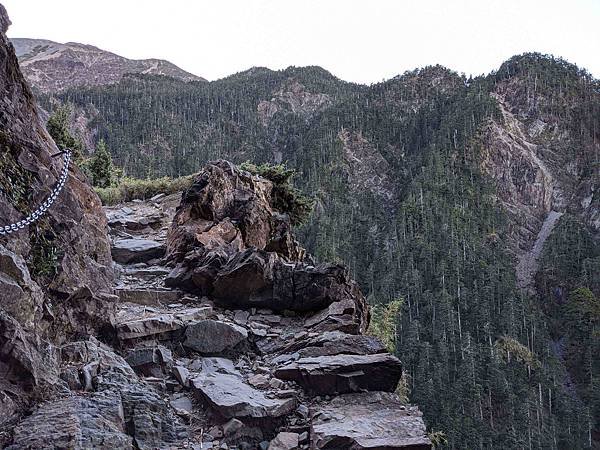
(39, 212)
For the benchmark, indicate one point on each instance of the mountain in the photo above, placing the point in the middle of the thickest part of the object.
(474, 201)
(53, 67)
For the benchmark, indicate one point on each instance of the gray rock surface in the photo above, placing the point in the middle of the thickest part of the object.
(213, 336)
(136, 321)
(285, 441)
(128, 251)
(374, 420)
(339, 374)
(78, 422)
(223, 388)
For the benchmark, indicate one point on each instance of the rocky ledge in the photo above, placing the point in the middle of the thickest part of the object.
(250, 343)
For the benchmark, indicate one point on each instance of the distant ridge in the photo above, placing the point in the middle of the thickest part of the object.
(53, 67)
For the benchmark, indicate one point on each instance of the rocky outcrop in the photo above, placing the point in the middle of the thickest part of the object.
(367, 168)
(260, 335)
(53, 67)
(292, 98)
(222, 243)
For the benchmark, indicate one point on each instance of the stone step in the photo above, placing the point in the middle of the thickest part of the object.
(129, 251)
(149, 297)
(136, 321)
(144, 272)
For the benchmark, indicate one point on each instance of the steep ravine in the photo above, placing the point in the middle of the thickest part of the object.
(527, 265)
(527, 187)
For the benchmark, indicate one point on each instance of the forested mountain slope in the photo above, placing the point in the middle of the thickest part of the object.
(435, 189)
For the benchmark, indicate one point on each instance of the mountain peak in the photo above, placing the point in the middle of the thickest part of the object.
(53, 67)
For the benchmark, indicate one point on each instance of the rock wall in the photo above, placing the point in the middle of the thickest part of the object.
(49, 264)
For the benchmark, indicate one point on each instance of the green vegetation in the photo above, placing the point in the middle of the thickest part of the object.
(439, 242)
(569, 281)
(58, 127)
(100, 168)
(130, 188)
(45, 254)
(15, 182)
(285, 197)
(384, 323)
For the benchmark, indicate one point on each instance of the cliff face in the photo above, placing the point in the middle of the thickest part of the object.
(540, 154)
(45, 265)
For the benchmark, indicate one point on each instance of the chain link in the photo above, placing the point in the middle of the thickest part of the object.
(34, 216)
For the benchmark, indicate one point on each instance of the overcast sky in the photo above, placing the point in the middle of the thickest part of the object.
(363, 41)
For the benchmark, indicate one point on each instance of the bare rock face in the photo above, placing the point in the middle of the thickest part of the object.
(4, 20)
(75, 227)
(293, 98)
(367, 167)
(20, 296)
(44, 267)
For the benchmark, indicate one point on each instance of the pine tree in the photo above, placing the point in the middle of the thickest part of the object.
(58, 127)
(100, 167)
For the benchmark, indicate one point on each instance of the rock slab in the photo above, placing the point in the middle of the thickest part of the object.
(339, 374)
(214, 336)
(375, 420)
(129, 251)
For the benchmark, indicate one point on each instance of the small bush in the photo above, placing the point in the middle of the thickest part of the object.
(285, 197)
(384, 323)
(132, 188)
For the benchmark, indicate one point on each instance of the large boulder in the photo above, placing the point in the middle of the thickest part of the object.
(221, 192)
(214, 336)
(228, 241)
(374, 420)
(78, 422)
